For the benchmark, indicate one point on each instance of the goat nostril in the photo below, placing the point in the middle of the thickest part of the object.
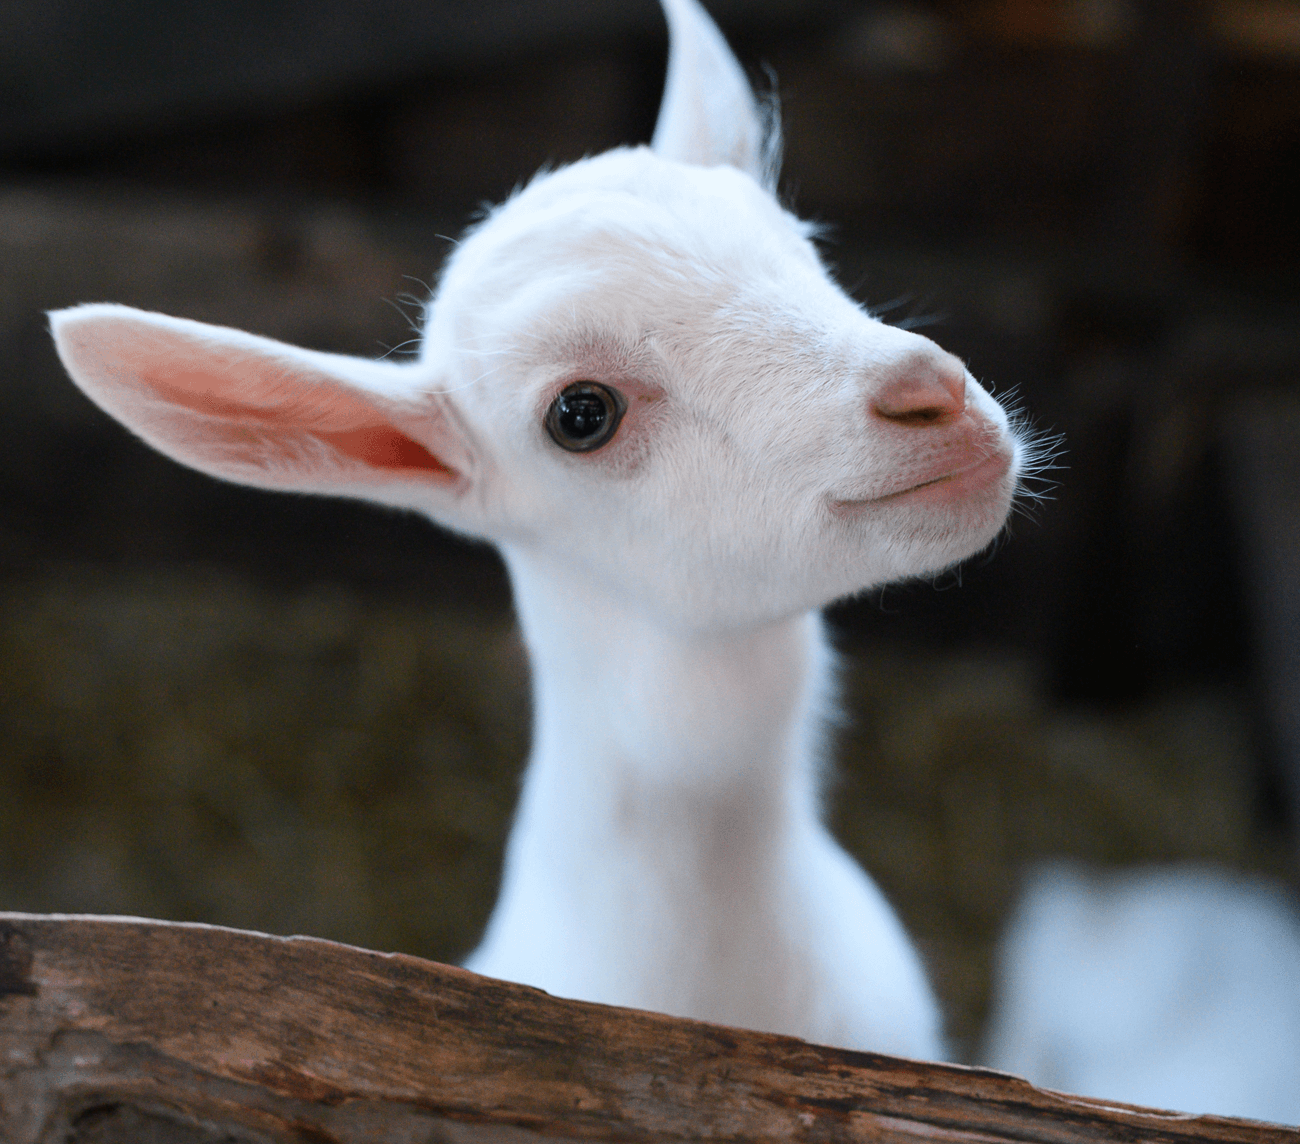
(923, 394)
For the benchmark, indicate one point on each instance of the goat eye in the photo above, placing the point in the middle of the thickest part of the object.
(584, 416)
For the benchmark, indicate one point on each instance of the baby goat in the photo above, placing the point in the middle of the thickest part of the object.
(638, 381)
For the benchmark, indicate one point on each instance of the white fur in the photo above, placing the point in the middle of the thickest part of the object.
(781, 448)
(1174, 988)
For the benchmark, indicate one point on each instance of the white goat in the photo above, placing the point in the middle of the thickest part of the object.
(638, 381)
(1175, 987)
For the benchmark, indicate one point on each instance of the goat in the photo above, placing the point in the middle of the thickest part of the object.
(637, 380)
(1176, 987)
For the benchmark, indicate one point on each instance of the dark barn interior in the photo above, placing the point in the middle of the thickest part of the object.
(308, 716)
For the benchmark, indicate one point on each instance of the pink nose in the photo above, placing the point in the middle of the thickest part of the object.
(927, 385)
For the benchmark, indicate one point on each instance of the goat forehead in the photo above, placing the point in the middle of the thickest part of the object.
(597, 282)
(677, 337)
(634, 262)
(671, 223)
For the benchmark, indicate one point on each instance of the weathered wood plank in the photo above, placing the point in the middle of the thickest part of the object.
(129, 1029)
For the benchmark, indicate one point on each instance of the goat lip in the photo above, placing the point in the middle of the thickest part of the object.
(945, 488)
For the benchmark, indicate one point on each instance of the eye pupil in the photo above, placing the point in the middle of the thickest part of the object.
(581, 415)
(584, 416)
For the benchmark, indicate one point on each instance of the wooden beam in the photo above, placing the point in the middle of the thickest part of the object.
(115, 1029)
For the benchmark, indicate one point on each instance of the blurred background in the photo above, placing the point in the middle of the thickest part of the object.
(308, 716)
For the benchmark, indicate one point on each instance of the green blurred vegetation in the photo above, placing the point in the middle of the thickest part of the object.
(190, 748)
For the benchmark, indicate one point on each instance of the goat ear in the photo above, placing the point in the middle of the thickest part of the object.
(708, 115)
(262, 413)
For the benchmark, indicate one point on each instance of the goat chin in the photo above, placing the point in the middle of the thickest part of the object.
(637, 379)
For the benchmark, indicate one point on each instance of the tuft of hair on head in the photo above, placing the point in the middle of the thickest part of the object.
(772, 145)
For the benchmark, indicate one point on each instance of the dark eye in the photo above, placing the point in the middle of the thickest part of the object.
(584, 416)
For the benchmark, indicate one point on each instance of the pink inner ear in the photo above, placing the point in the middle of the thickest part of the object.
(383, 447)
(346, 422)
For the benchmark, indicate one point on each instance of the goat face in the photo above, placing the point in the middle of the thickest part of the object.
(775, 446)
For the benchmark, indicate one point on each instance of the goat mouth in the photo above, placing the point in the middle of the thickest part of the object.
(946, 488)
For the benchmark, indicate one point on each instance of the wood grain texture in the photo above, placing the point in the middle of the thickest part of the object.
(117, 1029)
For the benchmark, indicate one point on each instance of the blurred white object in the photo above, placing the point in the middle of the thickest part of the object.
(1175, 988)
